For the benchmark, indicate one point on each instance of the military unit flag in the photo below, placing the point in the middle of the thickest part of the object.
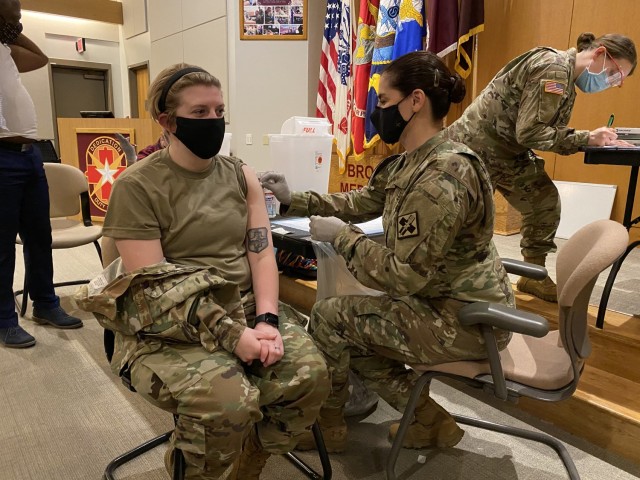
(451, 24)
(365, 39)
(354, 56)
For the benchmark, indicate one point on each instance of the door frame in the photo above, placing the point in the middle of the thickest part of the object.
(76, 65)
(133, 86)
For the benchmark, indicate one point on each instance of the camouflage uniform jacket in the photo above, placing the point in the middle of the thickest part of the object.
(166, 302)
(527, 105)
(437, 213)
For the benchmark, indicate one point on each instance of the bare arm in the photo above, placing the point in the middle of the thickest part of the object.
(26, 54)
(264, 272)
(139, 253)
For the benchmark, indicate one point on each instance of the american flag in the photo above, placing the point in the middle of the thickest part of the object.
(553, 87)
(336, 72)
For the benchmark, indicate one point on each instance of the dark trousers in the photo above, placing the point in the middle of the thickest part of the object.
(24, 209)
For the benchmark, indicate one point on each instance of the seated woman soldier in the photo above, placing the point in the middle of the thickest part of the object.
(263, 387)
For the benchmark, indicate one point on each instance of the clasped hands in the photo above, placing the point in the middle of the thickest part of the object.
(262, 342)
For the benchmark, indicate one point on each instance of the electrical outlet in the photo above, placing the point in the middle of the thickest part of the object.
(265, 139)
(248, 139)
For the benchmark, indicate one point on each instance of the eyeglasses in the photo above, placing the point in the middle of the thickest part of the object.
(617, 78)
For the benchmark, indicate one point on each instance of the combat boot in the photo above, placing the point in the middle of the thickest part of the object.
(334, 432)
(544, 289)
(432, 426)
(251, 461)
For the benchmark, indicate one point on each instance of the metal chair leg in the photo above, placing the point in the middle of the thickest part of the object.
(25, 296)
(22, 306)
(98, 249)
(407, 418)
(539, 437)
(134, 453)
(178, 462)
(322, 453)
(408, 414)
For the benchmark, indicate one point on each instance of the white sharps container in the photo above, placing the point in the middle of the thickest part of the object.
(302, 151)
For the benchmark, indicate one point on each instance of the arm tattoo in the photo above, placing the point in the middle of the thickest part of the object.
(257, 239)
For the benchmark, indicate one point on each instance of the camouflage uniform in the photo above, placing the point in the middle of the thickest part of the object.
(437, 213)
(526, 106)
(177, 327)
(190, 370)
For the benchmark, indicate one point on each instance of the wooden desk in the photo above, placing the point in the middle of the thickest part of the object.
(616, 156)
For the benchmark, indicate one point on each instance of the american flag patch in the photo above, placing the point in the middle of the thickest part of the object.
(553, 87)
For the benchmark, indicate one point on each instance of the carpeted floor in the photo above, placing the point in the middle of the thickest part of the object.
(624, 297)
(65, 416)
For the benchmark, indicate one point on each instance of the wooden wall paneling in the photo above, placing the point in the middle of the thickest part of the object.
(101, 10)
(593, 110)
(146, 132)
(515, 26)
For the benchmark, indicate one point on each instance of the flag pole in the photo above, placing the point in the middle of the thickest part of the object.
(474, 78)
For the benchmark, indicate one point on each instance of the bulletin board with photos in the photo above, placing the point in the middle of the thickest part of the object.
(273, 19)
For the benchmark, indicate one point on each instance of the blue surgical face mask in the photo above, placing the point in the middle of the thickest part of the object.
(590, 82)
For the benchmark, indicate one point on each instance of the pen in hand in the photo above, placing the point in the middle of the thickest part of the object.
(610, 122)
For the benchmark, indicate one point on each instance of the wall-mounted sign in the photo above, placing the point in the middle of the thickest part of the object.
(102, 160)
(273, 19)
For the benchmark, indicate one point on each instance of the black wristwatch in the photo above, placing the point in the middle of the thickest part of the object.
(269, 318)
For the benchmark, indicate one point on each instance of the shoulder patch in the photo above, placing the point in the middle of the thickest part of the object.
(408, 225)
(551, 86)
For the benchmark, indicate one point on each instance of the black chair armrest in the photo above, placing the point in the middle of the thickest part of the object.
(503, 317)
(524, 269)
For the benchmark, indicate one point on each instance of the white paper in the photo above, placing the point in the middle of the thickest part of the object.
(280, 230)
(372, 227)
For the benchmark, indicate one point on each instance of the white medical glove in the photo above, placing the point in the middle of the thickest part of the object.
(278, 185)
(129, 150)
(325, 229)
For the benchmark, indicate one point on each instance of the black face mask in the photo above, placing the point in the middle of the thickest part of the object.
(389, 122)
(9, 32)
(203, 136)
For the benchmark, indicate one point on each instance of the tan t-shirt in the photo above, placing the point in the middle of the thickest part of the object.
(200, 218)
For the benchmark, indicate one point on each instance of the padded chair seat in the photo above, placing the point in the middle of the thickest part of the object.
(75, 236)
(537, 362)
(69, 233)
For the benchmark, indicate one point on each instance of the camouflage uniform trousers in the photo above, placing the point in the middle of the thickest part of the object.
(527, 187)
(375, 336)
(218, 399)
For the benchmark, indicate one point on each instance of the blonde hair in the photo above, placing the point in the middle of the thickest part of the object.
(172, 99)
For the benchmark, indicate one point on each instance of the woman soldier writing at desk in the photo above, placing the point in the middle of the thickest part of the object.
(527, 106)
(436, 203)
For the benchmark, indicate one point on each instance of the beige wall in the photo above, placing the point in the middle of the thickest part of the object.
(56, 36)
(264, 82)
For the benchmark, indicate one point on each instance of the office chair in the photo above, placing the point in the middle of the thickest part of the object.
(110, 253)
(68, 196)
(537, 363)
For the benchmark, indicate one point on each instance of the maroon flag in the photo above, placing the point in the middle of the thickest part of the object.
(442, 20)
(471, 22)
